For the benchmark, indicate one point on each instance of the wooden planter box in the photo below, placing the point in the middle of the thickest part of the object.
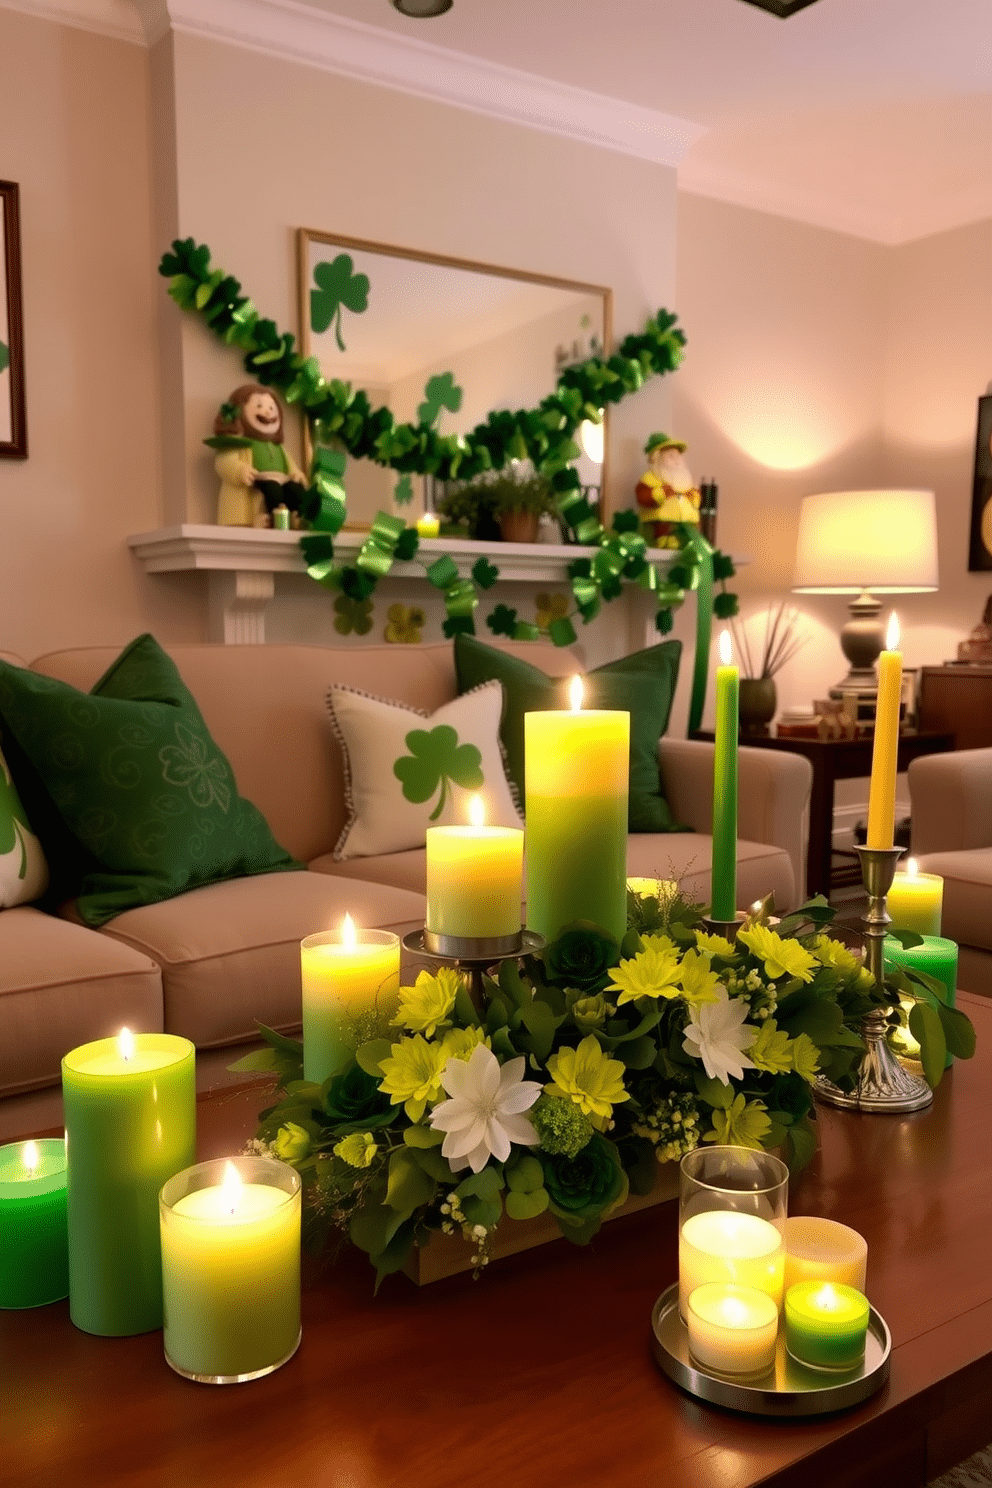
(446, 1255)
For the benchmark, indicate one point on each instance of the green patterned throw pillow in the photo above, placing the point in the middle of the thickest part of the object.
(130, 796)
(23, 870)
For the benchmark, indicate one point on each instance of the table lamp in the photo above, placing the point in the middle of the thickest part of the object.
(866, 543)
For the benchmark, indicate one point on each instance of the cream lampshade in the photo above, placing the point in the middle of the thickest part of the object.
(866, 543)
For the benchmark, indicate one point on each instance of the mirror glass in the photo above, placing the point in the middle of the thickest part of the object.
(389, 320)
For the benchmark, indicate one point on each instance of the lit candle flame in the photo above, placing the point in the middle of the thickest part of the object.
(825, 1298)
(476, 811)
(575, 694)
(726, 655)
(231, 1188)
(29, 1156)
(892, 633)
(348, 934)
(735, 1314)
(125, 1043)
(912, 868)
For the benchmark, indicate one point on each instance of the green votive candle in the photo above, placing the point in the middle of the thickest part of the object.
(826, 1324)
(34, 1258)
(577, 770)
(937, 956)
(130, 1122)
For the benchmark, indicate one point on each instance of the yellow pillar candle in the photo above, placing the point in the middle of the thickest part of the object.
(231, 1269)
(723, 1245)
(475, 879)
(885, 751)
(732, 1329)
(428, 525)
(916, 900)
(578, 766)
(351, 981)
(823, 1250)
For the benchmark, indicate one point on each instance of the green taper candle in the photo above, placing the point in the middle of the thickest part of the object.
(723, 875)
(130, 1122)
(34, 1260)
(939, 957)
(575, 842)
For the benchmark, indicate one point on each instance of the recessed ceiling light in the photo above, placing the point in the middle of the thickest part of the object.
(422, 8)
(781, 8)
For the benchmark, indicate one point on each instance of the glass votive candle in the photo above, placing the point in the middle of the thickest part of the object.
(916, 900)
(826, 1324)
(732, 1329)
(350, 980)
(34, 1239)
(937, 956)
(231, 1268)
(732, 1207)
(823, 1250)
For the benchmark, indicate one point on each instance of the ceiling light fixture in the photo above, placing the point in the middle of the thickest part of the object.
(420, 9)
(780, 8)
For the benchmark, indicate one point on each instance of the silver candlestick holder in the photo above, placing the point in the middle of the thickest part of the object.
(883, 1084)
(471, 955)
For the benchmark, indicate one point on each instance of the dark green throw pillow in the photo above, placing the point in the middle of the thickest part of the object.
(129, 794)
(642, 685)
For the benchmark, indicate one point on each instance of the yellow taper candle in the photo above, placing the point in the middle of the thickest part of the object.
(351, 981)
(882, 795)
(475, 879)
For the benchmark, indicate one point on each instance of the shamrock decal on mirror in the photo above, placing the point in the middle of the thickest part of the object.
(13, 822)
(437, 760)
(403, 491)
(337, 285)
(441, 392)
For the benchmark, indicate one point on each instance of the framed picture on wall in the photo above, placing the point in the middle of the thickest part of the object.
(13, 427)
(980, 547)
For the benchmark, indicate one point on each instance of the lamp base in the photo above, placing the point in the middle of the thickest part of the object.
(861, 640)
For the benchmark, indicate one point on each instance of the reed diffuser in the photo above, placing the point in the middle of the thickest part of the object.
(758, 694)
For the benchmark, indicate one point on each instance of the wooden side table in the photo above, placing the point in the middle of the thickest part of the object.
(958, 698)
(833, 760)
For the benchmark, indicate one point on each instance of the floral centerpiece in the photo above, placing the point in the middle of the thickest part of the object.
(586, 1067)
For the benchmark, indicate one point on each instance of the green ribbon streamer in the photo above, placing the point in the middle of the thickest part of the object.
(460, 598)
(326, 573)
(704, 620)
(379, 548)
(443, 572)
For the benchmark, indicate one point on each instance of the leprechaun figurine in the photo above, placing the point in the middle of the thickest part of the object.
(257, 473)
(666, 492)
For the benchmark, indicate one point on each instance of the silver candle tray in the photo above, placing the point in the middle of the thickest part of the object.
(788, 1389)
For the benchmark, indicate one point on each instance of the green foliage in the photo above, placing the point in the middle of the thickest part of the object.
(337, 285)
(436, 759)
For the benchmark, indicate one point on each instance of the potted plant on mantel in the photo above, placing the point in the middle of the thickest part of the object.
(506, 504)
(758, 694)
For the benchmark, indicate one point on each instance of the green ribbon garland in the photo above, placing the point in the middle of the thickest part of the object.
(378, 551)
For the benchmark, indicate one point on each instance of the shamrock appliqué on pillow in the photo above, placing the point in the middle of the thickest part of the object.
(437, 760)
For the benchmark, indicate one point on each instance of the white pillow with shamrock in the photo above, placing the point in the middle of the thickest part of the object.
(406, 770)
(23, 870)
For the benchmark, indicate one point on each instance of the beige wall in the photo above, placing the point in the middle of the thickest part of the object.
(73, 122)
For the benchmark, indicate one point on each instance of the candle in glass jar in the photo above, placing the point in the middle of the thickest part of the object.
(825, 1324)
(722, 1245)
(34, 1246)
(475, 878)
(732, 1329)
(428, 525)
(915, 900)
(885, 750)
(823, 1250)
(351, 981)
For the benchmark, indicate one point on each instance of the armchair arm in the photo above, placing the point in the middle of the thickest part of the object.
(951, 796)
(773, 795)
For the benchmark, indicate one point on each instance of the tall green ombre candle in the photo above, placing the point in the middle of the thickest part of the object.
(130, 1123)
(723, 876)
(575, 840)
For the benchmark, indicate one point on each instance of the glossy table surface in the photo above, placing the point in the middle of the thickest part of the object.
(541, 1373)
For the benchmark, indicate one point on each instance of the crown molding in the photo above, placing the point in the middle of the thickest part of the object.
(114, 18)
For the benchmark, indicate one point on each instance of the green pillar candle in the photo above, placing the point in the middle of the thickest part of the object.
(130, 1121)
(34, 1258)
(723, 876)
(937, 956)
(577, 769)
(826, 1324)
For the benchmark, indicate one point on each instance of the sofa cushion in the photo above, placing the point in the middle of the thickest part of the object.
(967, 875)
(62, 985)
(407, 770)
(642, 685)
(230, 952)
(23, 869)
(126, 788)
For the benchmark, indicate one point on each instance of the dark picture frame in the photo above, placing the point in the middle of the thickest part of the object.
(13, 421)
(980, 544)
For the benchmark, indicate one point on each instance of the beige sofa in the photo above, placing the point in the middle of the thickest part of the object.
(951, 797)
(210, 963)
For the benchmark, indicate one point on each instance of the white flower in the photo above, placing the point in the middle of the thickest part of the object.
(484, 1114)
(715, 1035)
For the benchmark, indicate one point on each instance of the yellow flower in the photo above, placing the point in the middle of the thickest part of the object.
(651, 973)
(661, 943)
(357, 1150)
(771, 1049)
(590, 1078)
(781, 957)
(458, 1043)
(700, 983)
(743, 1124)
(292, 1142)
(412, 1074)
(428, 1005)
(831, 953)
(805, 1057)
(715, 944)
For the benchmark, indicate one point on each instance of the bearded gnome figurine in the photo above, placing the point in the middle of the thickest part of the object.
(666, 493)
(257, 473)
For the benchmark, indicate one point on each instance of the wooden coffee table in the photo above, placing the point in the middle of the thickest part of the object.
(541, 1373)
